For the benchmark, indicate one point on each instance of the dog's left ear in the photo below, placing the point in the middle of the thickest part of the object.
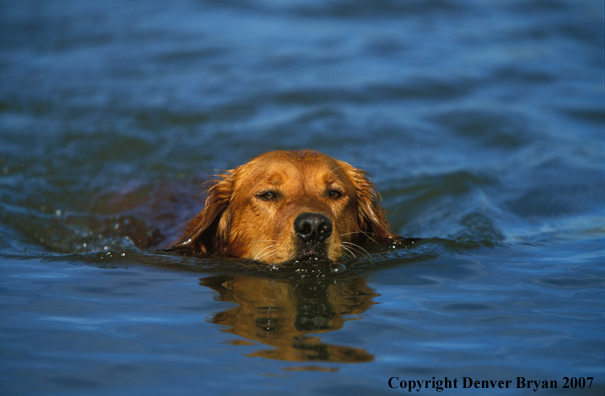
(370, 215)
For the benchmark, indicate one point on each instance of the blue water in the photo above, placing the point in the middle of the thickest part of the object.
(481, 123)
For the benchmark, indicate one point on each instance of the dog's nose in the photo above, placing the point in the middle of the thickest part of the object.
(312, 227)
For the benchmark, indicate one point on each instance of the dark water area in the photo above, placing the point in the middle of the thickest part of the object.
(481, 124)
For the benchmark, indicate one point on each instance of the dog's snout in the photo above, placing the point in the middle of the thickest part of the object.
(312, 227)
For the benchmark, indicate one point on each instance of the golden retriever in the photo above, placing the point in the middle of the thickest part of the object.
(289, 206)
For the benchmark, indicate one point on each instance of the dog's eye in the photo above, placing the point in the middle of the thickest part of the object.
(334, 194)
(267, 195)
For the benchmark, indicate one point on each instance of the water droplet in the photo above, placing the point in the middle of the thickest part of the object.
(338, 268)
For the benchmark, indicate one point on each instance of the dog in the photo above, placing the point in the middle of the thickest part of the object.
(290, 206)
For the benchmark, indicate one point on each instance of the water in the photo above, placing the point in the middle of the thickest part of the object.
(481, 123)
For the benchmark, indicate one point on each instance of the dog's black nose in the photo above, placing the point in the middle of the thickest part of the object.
(312, 227)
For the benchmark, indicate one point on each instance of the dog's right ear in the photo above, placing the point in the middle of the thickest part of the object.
(207, 232)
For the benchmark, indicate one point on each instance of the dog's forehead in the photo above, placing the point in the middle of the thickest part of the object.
(279, 167)
(294, 156)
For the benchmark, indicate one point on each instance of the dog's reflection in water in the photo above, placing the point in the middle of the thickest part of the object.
(289, 315)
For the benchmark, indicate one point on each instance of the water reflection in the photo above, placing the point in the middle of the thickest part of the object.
(289, 314)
